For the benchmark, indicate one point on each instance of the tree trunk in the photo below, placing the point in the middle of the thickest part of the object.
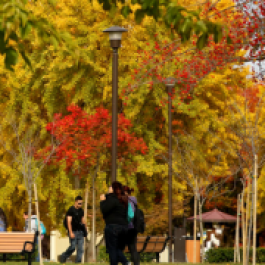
(255, 209)
(237, 230)
(85, 217)
(38, 218)
(29, 207)
(250, 208)
(201, 229)
(95, 228)
(235, 241)
(243, 227)
(93, 223)
(77, 183)
(194, 227)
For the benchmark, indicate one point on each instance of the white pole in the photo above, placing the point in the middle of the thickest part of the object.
(255, 209)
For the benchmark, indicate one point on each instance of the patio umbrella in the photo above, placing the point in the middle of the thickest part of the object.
(215, 216)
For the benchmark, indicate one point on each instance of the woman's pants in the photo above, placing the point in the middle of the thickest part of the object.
(132, 242)
(115, 237)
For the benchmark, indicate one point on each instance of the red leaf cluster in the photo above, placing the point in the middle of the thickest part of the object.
(84, 137)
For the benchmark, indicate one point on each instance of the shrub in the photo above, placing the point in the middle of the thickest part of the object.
(102, 255)
(218, 255)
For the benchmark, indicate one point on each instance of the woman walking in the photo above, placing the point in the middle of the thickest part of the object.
(132, 233)
(3, 221)
(114, 207)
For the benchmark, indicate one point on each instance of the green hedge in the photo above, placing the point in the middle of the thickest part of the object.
(218, 255)
(104, 257)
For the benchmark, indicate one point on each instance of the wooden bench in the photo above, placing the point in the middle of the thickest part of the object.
(151, 244)
(18, 242)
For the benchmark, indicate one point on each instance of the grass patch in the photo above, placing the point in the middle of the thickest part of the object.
(103, 263)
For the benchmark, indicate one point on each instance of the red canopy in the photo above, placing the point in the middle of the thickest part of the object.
(215, 216)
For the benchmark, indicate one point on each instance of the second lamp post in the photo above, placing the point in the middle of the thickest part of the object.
(115, 34)
(170, 83)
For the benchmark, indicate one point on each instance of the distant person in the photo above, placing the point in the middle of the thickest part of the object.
(132, 233)
(3, 221)
(114, 207)
(33, 228)
(75, 219)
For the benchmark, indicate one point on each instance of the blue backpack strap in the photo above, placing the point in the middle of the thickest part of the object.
(135, 204)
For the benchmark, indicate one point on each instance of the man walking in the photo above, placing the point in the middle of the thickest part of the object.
(74, 221)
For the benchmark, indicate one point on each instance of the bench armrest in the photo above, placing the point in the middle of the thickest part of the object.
(32, 243)
(167, 239)
(145, 243)
(33, 247)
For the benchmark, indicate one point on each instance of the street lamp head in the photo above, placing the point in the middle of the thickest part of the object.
(115, 34)
(170, 82)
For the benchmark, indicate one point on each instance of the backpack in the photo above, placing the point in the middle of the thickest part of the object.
(42, 227)
(130, 215)
(138, 220)
(64, 222)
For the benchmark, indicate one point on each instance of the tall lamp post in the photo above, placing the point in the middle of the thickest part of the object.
(170, 83)
(115, 34)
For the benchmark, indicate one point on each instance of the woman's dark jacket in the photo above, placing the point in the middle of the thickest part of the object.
(113, 211)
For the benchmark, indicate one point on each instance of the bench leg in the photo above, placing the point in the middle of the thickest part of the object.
(157, 257)
(29, 259)
(4, 257)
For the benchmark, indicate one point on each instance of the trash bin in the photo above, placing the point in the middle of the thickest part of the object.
(190, 249)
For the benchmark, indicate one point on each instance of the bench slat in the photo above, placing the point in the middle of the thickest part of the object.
(16, 246)
(157, 240)
(16, 240)
(154, 248)
(10, 245)
(2, 234)
(3, 250)
(7, 239)
(141, 239)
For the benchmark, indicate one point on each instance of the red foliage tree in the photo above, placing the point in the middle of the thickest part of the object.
(88, 136)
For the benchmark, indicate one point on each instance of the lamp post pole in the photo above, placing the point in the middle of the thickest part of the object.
(115, 34)
(114, 113)
(170, 83)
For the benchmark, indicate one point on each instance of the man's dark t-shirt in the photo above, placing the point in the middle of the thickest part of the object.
(77, 215)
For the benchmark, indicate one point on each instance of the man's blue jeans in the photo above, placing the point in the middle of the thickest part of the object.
(78, 241)
(37, 259)
(115, 237)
